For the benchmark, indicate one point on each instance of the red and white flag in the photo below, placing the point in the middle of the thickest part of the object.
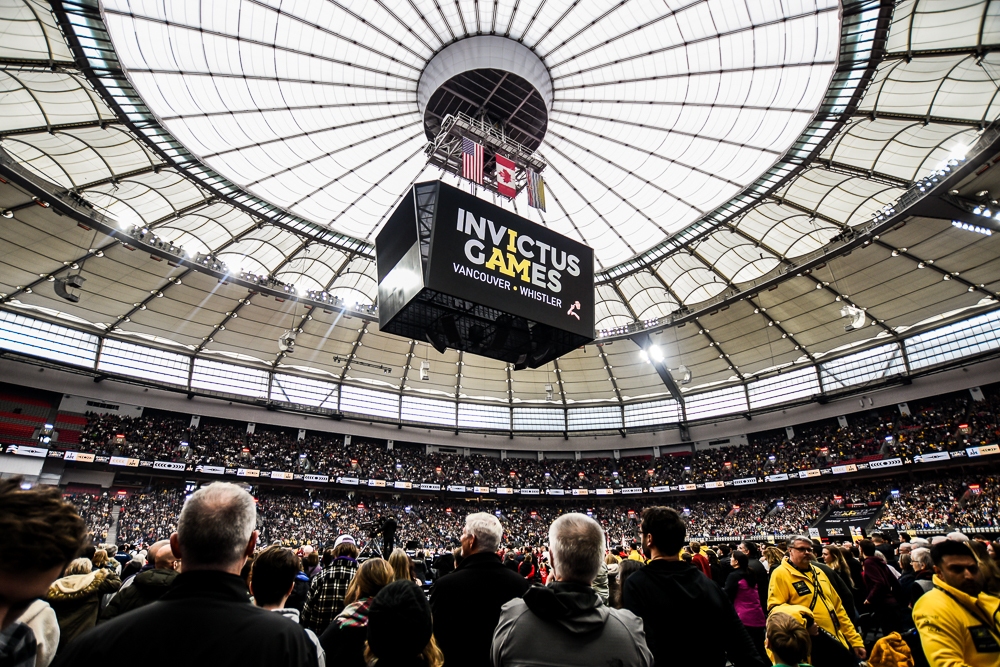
(472, 160)
(505, 177)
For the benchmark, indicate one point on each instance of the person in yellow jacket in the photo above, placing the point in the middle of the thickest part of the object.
(959, 624)
(796, 581)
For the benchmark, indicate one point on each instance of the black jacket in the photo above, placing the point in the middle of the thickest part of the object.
(205, 616)
(687, 618)
(843, 588)
(147, 587)
(466, 606)
(345, 646)
(761, 577)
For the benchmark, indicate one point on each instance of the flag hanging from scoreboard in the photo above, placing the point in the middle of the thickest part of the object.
(505, 176)
(472, 160)
(536, 190)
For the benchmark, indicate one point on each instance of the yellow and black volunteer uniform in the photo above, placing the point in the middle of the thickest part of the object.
(812, 589)
(957, 629)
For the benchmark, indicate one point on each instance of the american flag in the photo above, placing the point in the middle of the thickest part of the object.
(472, 160)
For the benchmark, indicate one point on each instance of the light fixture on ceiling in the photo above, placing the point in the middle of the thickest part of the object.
(286, 343)
(985, 231)
(856, 315)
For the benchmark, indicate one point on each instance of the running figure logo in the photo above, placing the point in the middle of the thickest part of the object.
(572, 309)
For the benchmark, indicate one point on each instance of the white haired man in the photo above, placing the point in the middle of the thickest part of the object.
(206, 615)
(566, 622)
(466, 603)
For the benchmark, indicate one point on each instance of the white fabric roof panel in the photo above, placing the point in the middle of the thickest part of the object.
(623, 173)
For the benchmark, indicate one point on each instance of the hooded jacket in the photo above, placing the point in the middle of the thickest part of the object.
(76, 599)
(43, 623)
(147, 587)
(957, 629)
(568, 624)
(687, 618)
(790, 585)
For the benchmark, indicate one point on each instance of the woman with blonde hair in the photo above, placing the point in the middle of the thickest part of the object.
(76, 597)
(344, 639)
(772, 558)
(400, 632)
(402, 566)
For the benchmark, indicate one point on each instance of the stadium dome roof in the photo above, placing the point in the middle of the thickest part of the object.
(741, 169)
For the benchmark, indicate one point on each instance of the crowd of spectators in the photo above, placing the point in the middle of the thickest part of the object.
(295, 517)
(943, 423)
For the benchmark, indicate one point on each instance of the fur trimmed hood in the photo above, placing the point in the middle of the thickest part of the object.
(76, 586)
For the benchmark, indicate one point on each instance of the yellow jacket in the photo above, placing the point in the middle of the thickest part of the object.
(635, 555)
(791, 586)
(955, 628)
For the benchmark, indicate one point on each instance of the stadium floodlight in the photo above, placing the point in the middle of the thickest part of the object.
(985, 231)
(286, 343)
(856, 315)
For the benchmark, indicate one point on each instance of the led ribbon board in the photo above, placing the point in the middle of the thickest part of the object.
(462, 273)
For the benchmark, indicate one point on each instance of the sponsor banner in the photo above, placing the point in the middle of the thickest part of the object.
(603, 492)
(505, 491)
(350, 481)
(556, 492)
(168, 465)
(934, 456)
(145, 464)
(377, 482)
(22, 450)
(102, 459)
(780, 477)
(960, 454)
(457, 488)
(230, 471)
(316, 478)
(814, 532)
(630, 490)
(985, 450)
(277, 474)
(79, 456)
(529, 492)
(745, 481)
(885, 463)
(806, 474)
(840, 470)
(211, 470)
(53, 454)
(825, 471)
(714, 485)
(402, 485)
(687, 487)
(580, 492)
(480, 489)
(247, 472)
(430, 487)
(660, 489)
(124, 461)
(81, 405)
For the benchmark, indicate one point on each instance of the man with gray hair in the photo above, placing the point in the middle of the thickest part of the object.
(923, 574)
(466, 603)
(577, 628)
(207, 610)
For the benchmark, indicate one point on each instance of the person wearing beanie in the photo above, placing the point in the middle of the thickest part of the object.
(400, 631)
(328, 588)
(567, 622)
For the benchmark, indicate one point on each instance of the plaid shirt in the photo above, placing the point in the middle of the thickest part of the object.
(326, 593)
(17, 646)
